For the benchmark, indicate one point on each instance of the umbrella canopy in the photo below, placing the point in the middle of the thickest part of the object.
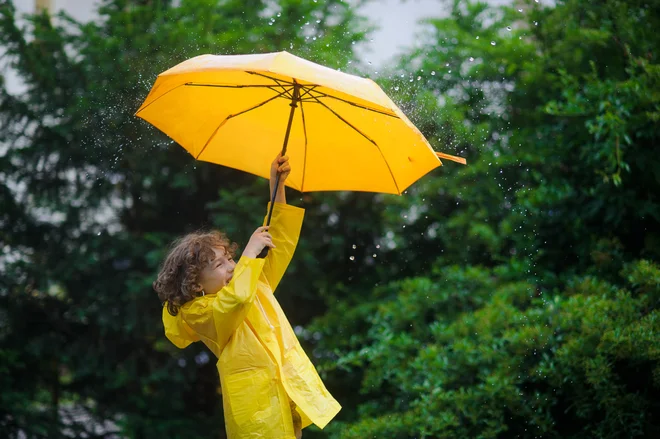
(341, 132)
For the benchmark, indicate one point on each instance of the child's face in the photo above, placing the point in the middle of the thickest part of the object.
(218, 272)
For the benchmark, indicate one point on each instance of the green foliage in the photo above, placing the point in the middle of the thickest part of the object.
(550, 328)
(463, 354)
(555, 109)
(92, 196)
(516, 296)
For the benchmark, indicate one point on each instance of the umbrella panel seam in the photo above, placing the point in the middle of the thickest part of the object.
(198, 84)
(235, 115)
(146, 106)
(325, 95)
(366, 137)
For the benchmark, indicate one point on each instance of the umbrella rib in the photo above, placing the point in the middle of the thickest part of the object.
(271, 78)
(259, 105)
(168, 91)
(238, 114)
(308, 91)
(325, 95)
(270, 86)
(277, 80)
(308, 88)
(200, 84)
(279, 84)
(366, 137)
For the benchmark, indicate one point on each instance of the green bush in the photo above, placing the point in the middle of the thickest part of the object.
(462, 354)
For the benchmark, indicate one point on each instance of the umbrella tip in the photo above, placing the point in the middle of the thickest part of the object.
(453, 158)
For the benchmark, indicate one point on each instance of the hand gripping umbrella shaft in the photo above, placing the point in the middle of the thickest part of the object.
(294, 104)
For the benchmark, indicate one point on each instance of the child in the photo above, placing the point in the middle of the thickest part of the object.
(270, 389)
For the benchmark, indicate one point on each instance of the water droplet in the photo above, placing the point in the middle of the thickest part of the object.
(352, 258)
(433, 73)
(492, 43)
(354, 246)
(374, 255)
(471, 59)
(520, 10)
(508, 28)
(396, 88)
(477, 37)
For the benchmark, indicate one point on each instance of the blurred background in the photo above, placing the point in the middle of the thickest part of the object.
(517, 296)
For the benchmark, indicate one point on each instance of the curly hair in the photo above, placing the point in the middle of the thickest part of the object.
(179, 275)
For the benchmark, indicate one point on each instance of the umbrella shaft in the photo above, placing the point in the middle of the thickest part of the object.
(294, 103)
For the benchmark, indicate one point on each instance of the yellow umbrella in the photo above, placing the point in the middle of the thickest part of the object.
(341, 132)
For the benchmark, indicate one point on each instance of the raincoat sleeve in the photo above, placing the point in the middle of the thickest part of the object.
(177, 330)
(285, 225)
(233, 301)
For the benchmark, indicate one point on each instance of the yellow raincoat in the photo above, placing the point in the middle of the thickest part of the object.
(260, 361)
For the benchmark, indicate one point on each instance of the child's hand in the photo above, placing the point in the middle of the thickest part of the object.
(282, 165)
(260, 239)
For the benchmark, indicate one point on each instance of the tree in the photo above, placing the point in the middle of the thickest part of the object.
(521, 275)
(92, 196)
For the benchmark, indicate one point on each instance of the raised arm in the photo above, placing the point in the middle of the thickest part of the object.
(285, 226)
(233, 301)
(281, 165)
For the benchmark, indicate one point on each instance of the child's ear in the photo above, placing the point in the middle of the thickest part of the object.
(199, 290)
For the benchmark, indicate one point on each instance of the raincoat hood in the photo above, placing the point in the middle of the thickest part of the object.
(177, 330)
